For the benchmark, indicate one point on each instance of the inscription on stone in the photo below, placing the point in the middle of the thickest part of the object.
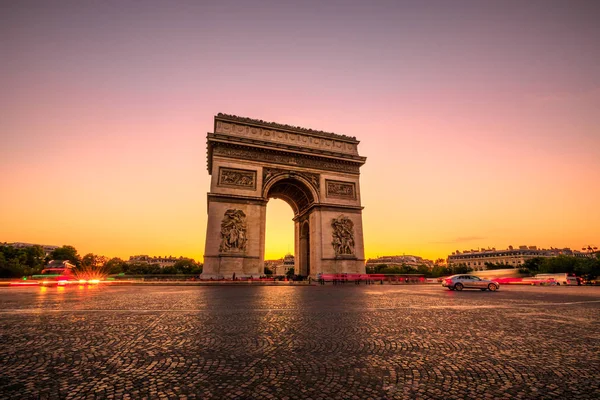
(233, 231)
(343, 236)
(237, 177)
(340, 189)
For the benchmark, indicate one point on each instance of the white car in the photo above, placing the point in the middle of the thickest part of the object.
(463, 281)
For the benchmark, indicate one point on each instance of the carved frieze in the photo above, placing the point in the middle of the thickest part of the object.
(285, 159)
(290, 138)
(339, 189)
(276, 125)
(343, 236)
(233, 231)
(268, 173)
(237, 177)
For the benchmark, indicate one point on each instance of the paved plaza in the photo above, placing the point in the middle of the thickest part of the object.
(318, 342)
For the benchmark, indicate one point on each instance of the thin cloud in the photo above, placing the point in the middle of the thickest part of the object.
(558, 96)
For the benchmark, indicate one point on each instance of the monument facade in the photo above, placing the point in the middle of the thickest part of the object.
(316, 173)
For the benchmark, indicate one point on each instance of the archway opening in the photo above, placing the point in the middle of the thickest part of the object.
(299, 196)
(279, 235)
(292, 191)
(304, 256)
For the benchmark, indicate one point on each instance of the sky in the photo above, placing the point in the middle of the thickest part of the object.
(480, 120)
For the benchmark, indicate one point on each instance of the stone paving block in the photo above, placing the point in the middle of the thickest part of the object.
(317, 342)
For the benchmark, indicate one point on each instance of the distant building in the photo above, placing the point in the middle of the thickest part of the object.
(272, 264)
(48, 249)
(511, 257)
(161, 261)
(281, 266)
(398, 261)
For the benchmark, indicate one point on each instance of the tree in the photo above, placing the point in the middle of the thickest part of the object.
(93, 261)
(17, 262)
(491, 266)
(35, 257)
(115, 266)
(171, 270)
(558, 264)
(289, 273)
(67, 253)
(268, 271)
(533, 265)
(7, 269)
(439, 270)
(378, 268)
(460, 269)
(423, 269)
(187, 266)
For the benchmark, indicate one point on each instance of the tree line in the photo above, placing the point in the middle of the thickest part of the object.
(25, 261)
(436, 271)
(17, 262)
(585, 267)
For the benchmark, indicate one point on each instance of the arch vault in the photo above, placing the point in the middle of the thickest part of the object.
(315, 172)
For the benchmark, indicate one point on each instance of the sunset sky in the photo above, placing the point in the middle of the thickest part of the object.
(480, 120)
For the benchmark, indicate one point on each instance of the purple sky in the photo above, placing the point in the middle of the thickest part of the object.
(465, 110)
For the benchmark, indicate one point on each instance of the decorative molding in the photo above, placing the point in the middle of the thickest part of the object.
(268, 173)
(339, 189)
(276, 125)
(230, 198)
(328, 207)
(277, 157)
(232, 255)
(340, 208)
(343, 236)
(294, 138)
(233, 177)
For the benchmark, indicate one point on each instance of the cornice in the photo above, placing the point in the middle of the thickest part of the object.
(222, 138)
(329, 207)
(284, 127)
(246, 151)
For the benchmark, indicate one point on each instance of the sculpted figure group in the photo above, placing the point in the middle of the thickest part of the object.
(233, 231)
(343, 235)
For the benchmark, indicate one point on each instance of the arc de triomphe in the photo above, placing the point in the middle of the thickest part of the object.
(315, 172)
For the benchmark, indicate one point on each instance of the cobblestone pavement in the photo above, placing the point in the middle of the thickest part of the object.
(319, 342)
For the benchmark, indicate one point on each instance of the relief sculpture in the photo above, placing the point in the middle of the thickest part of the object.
(233, 231)
(237, 177)
(340, 189)
(343, 236)
(268, 173)
(315, 173)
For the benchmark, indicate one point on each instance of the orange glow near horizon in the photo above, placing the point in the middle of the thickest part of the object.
(477, 133)
(280, 230)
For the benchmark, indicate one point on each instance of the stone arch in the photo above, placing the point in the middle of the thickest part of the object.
(315, 172)
(292, 188)
(300, 194)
